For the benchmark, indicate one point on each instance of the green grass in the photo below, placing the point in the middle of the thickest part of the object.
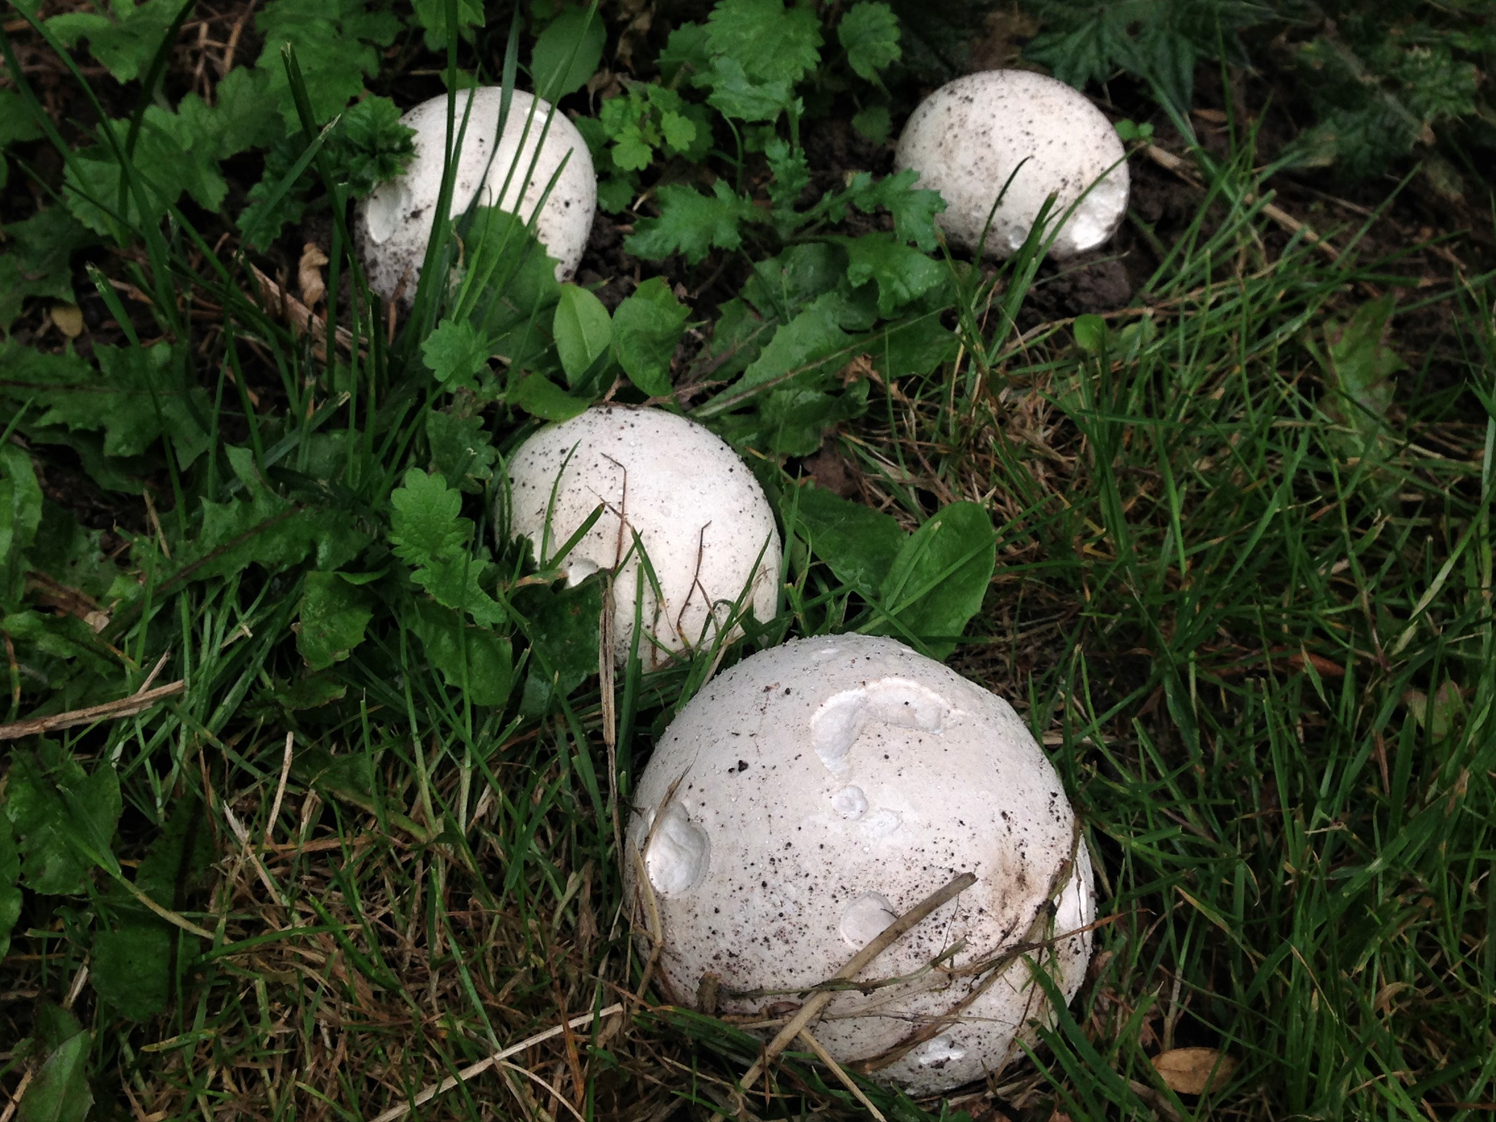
(1250, 620)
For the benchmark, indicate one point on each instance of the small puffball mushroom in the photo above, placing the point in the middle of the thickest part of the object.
(394, 223)
(698, 514)
(968, 137)
(810, 795)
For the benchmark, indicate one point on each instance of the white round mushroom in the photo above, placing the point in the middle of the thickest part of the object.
(671, 491)
(805, 799)
(970, 136)
(394, 223)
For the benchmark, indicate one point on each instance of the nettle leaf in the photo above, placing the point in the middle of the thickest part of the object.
(63, 817)
(902, 273)
(646, 329)
(791, 174)
(429, 534)
(432, 15)
(771, 43)
(335, 43)
(455, 352)
(858, 544)
(583, 332)
(691, 223)
(137, 396)
(170, 157)
(123, 42)
(461, 450)
(37, 260)
(333, 617)
(475, 660)
(940, 576)
(869, 33)
(913, 208)
(567, 52)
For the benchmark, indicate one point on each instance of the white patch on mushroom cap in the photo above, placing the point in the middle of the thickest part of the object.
(700, 516)
(808, 861)
(394, 223)
(968, 137)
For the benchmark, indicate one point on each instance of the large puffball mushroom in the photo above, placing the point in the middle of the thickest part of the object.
(394, 223)
(669, 488)
(968, 137)
(816, 791)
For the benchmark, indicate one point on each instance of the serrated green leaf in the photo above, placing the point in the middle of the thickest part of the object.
(429, 535)
(37, 260)
(455, 352)
(869, 33)
(567, 52)
(803, 348)
(63, 817)
(903, 274)
(735, 94)
(473, 659)
(913, 208)
(131, 968)
(432, 15)
(583, 331)
(333, 616)
(263, 529)
(123, 42)
(857, 543)
(691, 223)
(563, 629)
(461, 449)
(335, 44)
(646, 329)
(772, 43)
(940, 576)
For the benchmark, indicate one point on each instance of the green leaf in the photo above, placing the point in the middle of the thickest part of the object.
(771, 43)
(582, 330)
(124, 44)
(567, 52)
(869, 33)
(873, 122)
(137, 396)
(64, 818)
(563, 629)
(461, 450)
(263, 529)
(903, 274)
(59, 1091)
(913, 208)
(10, 889)
(858, 544)
(913, 347)
(1360, 365)
(735, 94)
(455, 352)
(473, 659)
(37, 260)
(432, 15)
(333, 616)
(1090, 334)
(132, 967)
(335, 43)
(429, 535)
(541, 397)
(790, 171)
(691, 223)
(940, 576)
(803, 348)
(646, 329)
(20, 517)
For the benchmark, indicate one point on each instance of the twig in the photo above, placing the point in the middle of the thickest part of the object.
(836, 1069)
(110, 710)
(818, 1001)
(426, 1094)
(277, 301)
(280, 792)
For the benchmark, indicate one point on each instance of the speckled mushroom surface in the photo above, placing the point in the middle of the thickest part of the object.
(394, 223)
(970, 136)
(811, 794)
(668, 486)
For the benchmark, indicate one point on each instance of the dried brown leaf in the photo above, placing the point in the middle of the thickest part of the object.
(1194, 1071)
(309, 274)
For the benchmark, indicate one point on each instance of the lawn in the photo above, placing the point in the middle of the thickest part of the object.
(317, 784)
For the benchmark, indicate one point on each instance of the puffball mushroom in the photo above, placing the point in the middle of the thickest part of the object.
(816, 791)
(394, 223)
(968, 137)
(668, 487)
